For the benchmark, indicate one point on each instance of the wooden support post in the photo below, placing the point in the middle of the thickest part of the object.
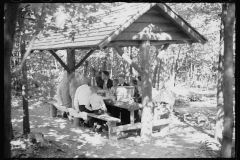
(53, 111)
(84, 58)
(126, 58)
(132, 117)
(71, 59)
(111, 135)
(59, 60)
(146, 81)
(76, 121)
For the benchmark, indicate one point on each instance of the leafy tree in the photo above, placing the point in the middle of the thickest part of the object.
(9, 31)
(228, 23)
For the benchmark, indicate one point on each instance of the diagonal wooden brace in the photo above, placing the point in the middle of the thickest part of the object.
(59, 60)
(84, 58)
(126, 58)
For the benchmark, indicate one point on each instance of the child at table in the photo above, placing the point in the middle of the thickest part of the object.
(114, 87)
(98, 106)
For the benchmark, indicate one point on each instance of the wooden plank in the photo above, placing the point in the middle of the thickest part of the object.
(126, 127)
(83, 33)
(69, 45)
(125, 25)
(61, 108)
(152, 36)
(153, 18)
(139, 125)
(182, 23)
(154, 27)
(122, 43)
(125, 105)
(152, 10)
(62, 40)
(132, 117)
(104, 117)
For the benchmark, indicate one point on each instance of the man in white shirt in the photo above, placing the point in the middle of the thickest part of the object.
(96, 101)
(82, 97)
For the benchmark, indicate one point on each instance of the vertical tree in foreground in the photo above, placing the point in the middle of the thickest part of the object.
(228, 23)
(9, 31)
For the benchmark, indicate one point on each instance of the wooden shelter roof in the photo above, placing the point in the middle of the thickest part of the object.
(126, 23)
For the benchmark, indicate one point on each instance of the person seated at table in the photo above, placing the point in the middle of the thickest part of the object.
(139, 86)
(125, 114)
(98, 78)
(114, 87)
(121, 78)
(107, 83)
(81, 99)
(63, 94)
(137, 99)
(114, 111)
(98, 107)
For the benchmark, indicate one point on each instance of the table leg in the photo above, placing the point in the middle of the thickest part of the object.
(132, 117)
(111, 135)
(53, 111)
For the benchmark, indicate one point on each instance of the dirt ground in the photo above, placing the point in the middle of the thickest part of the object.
(184, 141)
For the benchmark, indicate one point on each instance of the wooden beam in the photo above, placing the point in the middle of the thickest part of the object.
(125, 57)
(59, 60)
(126, 24)
(182, 23)
(84, 58)
(71, 59)
(149, 35)
(138, 125)
(162, 51)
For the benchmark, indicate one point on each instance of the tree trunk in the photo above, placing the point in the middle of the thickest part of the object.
(85, 68)
(26, 126)
(9, 31)
(146, 130)
(131, 57)
(228, 23)
(71, 60)
(159, 72)
(219, 116)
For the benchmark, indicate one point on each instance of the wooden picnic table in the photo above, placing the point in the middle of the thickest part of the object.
(131, 106)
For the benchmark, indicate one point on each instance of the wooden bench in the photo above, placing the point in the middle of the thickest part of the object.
(111, 121)
(54, 106)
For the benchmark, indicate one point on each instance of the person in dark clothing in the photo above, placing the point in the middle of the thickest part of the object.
(122, 80)
(99, 79)
(137, 98)
(107, 83)
(125, 114)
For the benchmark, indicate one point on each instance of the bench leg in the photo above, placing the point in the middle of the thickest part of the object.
(76, 121)
(165, 130)
(53, 111)
(111, 135)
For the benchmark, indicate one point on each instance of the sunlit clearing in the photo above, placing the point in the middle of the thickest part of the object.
(43, 125)
(60, 120)
(65, 144)
(17, 120)
(61, 137)
(31, 107)
(94, 140)
(76, 130)
(62, 125)
(133, 152)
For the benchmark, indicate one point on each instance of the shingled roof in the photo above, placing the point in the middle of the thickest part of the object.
(123, 23)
